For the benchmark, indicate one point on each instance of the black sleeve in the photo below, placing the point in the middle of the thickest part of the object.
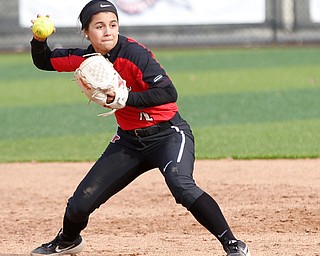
(41, 53)
(161, 89)
(153, 97)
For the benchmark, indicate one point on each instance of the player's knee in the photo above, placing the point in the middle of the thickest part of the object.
(183, 198)
(182, 187)
(77, 212)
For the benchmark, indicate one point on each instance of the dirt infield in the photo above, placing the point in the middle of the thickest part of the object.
(273, 205)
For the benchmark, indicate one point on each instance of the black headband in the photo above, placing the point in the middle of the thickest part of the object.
(94, 7)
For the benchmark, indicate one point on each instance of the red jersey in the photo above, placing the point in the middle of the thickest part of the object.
(152, 97)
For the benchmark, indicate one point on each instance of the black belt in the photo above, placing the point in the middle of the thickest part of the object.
(151, 130)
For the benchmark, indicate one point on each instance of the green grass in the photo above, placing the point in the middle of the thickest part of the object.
(241, 103)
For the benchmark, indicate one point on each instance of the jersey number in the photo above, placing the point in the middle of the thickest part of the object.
(145, 116)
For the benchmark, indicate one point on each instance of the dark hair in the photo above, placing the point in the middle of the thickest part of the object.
(94, 7)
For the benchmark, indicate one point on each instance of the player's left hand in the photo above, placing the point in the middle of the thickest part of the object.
(101, 83)
(110, 97)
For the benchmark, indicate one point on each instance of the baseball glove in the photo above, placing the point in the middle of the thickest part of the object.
(97, 79)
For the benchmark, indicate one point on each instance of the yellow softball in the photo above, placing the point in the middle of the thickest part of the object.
(43, 27)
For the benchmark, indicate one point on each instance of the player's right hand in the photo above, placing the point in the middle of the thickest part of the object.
(35, 36)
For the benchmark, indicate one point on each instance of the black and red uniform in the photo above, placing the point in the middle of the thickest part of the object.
(151, 134)
(155, 101)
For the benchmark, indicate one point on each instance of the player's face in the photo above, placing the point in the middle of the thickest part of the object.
(103, 32)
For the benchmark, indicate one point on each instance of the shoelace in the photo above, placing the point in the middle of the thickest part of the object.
(232, 246)
(54, 241)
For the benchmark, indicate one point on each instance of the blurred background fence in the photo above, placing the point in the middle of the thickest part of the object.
(286, 22)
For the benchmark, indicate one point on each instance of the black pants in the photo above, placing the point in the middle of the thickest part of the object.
(128, 156)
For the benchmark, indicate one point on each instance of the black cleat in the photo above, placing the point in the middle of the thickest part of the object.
(60, 247)
(236, 248)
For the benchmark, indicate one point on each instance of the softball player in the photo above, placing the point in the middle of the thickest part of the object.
(151, 134)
